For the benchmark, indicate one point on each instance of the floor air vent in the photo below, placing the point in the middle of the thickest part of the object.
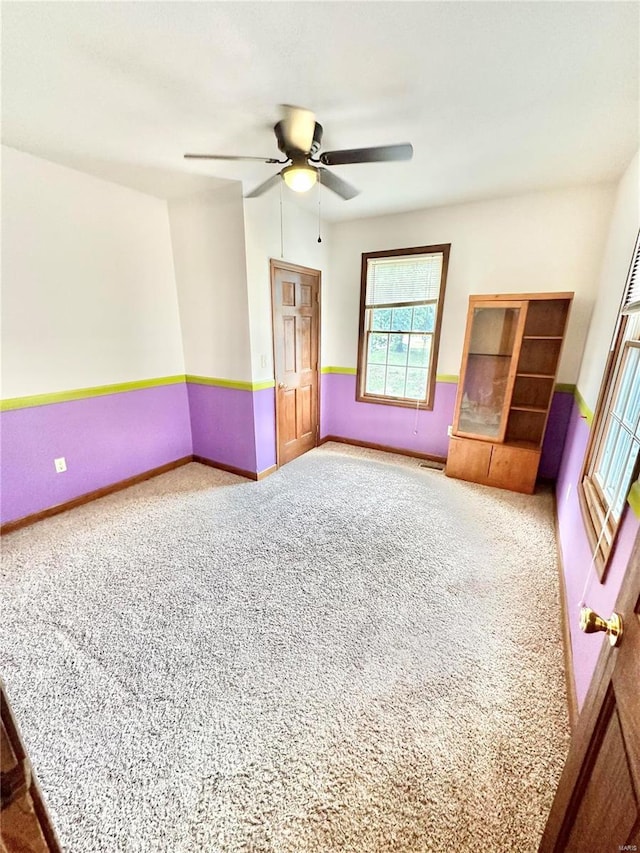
(437, 466)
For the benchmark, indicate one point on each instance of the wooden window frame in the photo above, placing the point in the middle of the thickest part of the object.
(593, 504)
(407, 402)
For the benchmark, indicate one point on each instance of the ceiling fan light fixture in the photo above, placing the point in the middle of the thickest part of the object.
(300, 178)
(299, 138)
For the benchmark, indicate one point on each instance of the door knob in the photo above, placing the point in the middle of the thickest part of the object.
(590, 623)
(282, 385)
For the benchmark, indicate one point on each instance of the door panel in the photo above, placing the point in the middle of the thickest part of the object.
(288, 427)
(606, 811)
(306, 331)
(288, 293)
(295, 292)
(306, 410)
(597, 804)
(289, 346)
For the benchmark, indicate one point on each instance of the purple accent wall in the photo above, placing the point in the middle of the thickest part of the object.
(554, 438)
(395, 426)
(576, 556)
(110, 438)
(222, 425)
(104, 440)
(264, 422)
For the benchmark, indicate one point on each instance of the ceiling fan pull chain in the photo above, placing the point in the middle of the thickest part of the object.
(281, 227)
(319, 216)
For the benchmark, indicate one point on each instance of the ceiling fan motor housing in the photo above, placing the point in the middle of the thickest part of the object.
(278, 129)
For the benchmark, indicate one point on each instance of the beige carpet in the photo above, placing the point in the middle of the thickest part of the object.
(355, 654)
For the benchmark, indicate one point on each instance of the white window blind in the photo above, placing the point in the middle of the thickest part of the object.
(631, 301)
(404, 280)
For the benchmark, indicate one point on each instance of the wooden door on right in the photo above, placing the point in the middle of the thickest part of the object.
(597, 804)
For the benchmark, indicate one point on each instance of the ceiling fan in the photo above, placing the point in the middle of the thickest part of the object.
(299, 137)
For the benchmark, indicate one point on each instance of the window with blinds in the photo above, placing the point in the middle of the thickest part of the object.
(402, 293)
(613, 458)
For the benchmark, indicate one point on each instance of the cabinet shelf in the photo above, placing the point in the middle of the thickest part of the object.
(542, 337)
(523, 445)
(537, 375)
(493, 354)
(540, 410)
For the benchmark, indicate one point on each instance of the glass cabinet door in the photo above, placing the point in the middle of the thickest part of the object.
(491, 341)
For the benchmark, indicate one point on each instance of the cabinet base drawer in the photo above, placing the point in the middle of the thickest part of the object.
(500, 465)
(514, 468)
(468, 460)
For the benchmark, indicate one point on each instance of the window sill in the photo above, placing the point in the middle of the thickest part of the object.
(600, 563)
(392, 401)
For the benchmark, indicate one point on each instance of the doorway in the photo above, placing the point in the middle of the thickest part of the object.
(295, 295)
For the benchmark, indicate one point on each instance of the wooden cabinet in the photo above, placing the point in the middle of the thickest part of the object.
(511, 353)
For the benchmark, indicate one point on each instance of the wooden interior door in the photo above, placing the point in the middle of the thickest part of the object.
(25, 825)
(597, 804)
(296, 311)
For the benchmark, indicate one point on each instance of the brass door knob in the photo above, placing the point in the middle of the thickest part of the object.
(590, 623)
(282, 385)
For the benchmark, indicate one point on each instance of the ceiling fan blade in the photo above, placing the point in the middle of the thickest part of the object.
(262, 188)
(378, 154)
(230, 157)
(333, 182)
(299, 127)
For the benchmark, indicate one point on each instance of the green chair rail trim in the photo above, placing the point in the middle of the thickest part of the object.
(348, 371)
(633, 499)
(451, 378)
(584, 410)
(102, 390)
(12, 403)
(84, 393)
(230, 383)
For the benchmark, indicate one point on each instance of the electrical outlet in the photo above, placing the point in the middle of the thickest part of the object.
(450, 430)
(263, 361)
(61, 464)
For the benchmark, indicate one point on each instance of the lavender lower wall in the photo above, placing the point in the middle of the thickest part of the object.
(394, 426)
(576, 556)
(104, 440)
(110, 438)
(222, 425)
(555, 436)
(113, 437)
(423, 432)
(264, 424)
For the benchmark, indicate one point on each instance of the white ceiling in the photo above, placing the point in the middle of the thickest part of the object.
(496, 97)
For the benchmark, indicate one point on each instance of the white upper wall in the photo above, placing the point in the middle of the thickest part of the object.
(297, 244)
(625, 223)
(550, 241)
(207, 235)
(88, 291)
